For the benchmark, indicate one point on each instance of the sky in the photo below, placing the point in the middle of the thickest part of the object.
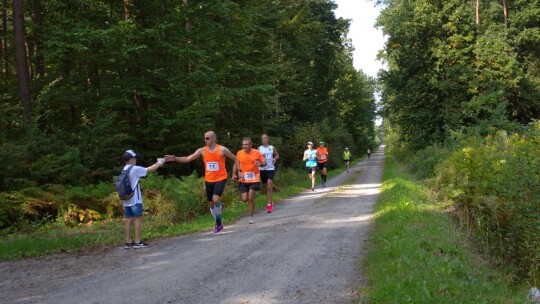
(366, 39)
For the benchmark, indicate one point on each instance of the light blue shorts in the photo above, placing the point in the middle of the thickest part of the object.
(133, 211)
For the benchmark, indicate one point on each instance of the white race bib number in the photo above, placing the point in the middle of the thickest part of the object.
(323, 156)
(248, 176)
(212, 166)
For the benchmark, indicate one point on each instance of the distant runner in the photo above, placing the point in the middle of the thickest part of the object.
(346, 158)
(310, 157)
(322, 161)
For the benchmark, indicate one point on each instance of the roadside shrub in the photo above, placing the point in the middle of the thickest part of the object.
(494, 182)
(72, 215)
(422, 164)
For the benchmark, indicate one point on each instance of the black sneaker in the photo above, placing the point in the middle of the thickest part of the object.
(128, 245)
(140, 244)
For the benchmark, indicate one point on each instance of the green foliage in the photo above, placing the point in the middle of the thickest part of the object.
(493, 182)
(423, 163)
(153, 77)
(447, 73)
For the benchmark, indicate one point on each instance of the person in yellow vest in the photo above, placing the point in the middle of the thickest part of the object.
(215, 173)
(346, 158)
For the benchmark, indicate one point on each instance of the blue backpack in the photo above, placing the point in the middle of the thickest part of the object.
(123, 185)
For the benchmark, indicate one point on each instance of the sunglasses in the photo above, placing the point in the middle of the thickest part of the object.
(207, 138)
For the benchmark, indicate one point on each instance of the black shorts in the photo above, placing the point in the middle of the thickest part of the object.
(214, 188)
(245, 187)
(266, 175)
(311, 169)
(346, 161)
(322, 165)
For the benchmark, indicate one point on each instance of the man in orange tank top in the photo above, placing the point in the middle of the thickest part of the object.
(215, 172)
(248, 173)
(322, 161)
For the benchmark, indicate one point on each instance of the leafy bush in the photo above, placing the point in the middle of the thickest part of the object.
(422, 164)
(494, 184)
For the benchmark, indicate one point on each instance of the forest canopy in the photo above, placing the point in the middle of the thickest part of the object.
(84, 80)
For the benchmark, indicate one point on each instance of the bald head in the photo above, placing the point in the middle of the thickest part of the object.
(210, 138)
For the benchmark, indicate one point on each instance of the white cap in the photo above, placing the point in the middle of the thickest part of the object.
(128, 155)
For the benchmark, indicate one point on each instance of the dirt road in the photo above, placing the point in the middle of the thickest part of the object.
(306, 251)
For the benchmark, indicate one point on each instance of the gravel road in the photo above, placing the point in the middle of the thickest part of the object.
(307, 251)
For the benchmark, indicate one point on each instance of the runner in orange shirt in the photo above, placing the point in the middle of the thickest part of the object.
(248, 173)
(322, 161)
(215, 173)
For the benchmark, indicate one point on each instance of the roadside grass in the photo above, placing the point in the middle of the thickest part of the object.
(57, 238)
(416, 253)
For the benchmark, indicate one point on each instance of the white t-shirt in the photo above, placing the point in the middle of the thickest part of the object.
(268, 153)
(134, 175)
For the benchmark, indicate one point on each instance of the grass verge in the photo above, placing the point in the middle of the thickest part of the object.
(57, 238)
(417, 255)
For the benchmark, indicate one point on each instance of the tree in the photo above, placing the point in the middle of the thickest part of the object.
(21, 59)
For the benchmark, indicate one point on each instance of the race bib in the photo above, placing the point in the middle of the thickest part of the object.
(212, 166)
(323, 156)
(248, 176)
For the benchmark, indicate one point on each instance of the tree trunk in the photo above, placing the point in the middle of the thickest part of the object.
(4, 41)
(505, 12)
(477, 12)
(127, 9)
(38, 39)
(21, 61)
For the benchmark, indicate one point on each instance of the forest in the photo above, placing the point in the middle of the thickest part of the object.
(84, 80)
(461, 102)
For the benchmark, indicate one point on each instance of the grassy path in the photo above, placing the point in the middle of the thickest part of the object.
(416, 254)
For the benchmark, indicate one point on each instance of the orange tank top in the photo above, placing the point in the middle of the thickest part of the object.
(214, 165)
(250, 171)
(323, 152)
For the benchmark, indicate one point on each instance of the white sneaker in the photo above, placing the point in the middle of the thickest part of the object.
(250, 220)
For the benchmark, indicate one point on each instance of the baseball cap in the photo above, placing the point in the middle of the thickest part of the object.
(321, 142)
(346, 148)
(128, 155)
(309, 143)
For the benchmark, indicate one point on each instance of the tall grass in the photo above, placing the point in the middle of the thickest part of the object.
(172, 207)
(416, 255)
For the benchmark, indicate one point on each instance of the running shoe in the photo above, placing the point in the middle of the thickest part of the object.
(312, 188)
(218, 228)
(128, 245)
(140, 244)
(269, 207)
(251, 220)
(324, 184)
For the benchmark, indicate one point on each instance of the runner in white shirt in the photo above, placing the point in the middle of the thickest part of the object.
(271, 155)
